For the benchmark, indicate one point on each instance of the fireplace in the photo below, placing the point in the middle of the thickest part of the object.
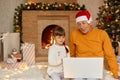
(47, 38)
(38, 25)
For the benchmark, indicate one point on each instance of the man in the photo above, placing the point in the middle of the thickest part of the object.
(88, 41)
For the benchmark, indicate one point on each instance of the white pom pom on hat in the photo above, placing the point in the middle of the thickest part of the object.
(83, 15)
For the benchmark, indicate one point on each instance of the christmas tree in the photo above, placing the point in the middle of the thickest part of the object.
(109, 20)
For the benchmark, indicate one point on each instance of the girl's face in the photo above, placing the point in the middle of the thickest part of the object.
(84, 27)
(59, 40)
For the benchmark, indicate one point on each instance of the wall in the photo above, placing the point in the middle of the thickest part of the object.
(7, 9)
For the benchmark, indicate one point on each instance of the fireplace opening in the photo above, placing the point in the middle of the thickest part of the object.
(47, 38)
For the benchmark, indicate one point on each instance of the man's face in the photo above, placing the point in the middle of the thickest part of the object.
(84, 27)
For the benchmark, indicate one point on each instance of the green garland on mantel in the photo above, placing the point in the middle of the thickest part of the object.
(42, 6)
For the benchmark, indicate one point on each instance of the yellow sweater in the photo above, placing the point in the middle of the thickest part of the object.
(94, 44)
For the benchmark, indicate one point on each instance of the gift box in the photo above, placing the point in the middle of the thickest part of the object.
(11, 41)
(28, 51)
(17, 56)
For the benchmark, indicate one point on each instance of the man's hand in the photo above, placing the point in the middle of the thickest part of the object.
(118, 78)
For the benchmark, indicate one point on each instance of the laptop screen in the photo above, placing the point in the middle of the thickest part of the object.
(83, 67)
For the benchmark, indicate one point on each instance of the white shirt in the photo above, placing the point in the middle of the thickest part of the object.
(55, 55)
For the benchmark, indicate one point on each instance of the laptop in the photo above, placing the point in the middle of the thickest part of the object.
(83, 67)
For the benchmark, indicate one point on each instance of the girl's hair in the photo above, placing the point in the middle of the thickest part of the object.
(59, 31)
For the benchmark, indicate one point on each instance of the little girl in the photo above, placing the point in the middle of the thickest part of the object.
(56, 53)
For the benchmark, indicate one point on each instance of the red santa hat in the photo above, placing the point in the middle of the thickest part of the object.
(83, 15)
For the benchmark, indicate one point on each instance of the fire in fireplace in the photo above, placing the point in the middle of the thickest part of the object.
(47, 38)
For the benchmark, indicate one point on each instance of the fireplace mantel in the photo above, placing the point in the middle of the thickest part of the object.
(34, 22)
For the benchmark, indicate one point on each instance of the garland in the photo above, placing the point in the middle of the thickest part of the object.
(40, 6)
